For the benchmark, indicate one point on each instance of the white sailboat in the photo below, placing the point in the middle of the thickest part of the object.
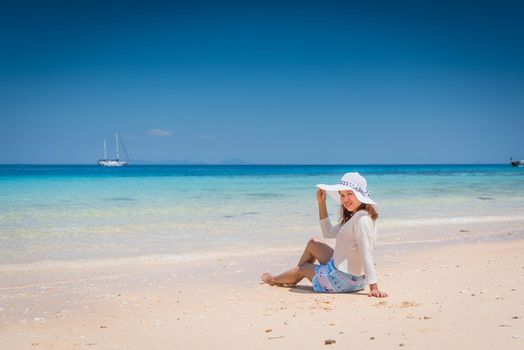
(112, 162)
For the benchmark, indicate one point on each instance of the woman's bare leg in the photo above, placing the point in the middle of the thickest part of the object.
(308, 270)
(291, 276)
(316, 250)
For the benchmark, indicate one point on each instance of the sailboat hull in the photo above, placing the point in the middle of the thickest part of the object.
(111, 163)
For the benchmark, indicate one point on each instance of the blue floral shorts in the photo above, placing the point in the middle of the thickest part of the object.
(328, 279)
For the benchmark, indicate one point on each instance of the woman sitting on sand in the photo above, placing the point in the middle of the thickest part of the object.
(349, 267)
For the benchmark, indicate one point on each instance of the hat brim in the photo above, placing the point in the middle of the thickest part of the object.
(332, 191)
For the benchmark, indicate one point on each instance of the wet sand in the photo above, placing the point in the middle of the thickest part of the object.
(459, 294)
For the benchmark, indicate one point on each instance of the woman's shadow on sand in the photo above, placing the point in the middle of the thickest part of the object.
(309, 290)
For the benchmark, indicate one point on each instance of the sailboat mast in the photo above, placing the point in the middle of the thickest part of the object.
(105, 150)
(117, 153)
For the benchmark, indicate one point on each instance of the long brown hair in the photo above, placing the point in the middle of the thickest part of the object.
(345, 214)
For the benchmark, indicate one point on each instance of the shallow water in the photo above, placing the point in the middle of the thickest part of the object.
(88, 212)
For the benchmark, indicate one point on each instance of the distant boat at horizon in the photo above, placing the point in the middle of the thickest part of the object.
(516, 163)
(113, 162)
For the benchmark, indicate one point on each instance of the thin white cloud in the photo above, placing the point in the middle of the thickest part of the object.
(159, 133)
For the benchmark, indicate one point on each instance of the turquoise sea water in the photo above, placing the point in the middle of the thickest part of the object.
(63, 213)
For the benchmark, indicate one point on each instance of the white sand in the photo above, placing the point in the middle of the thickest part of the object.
(458, 295)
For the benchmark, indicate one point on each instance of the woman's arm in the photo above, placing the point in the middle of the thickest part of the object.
(328, 231)
(322, 208)
(364, 230)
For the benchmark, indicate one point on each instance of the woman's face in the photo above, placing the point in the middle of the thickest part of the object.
(349, 200)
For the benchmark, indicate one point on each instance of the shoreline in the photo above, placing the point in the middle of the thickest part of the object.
(408, 237)
(464, 294)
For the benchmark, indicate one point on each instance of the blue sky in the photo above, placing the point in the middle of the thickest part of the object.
(266, 82)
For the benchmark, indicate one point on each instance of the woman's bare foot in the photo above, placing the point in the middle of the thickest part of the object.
(266, 277)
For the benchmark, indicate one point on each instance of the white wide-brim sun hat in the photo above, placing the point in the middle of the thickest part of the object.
(350, 181)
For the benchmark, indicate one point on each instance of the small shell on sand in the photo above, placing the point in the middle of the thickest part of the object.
(408, 304)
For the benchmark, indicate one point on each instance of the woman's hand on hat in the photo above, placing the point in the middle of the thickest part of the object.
(375, 292)
(321, 195)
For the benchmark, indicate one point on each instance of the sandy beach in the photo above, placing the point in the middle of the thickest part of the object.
(463, 293)
(158, 157)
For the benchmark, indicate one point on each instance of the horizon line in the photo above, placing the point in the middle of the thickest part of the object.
(258, 164)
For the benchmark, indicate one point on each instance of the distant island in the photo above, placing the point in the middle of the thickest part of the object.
(235, 161)
(232, 161)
